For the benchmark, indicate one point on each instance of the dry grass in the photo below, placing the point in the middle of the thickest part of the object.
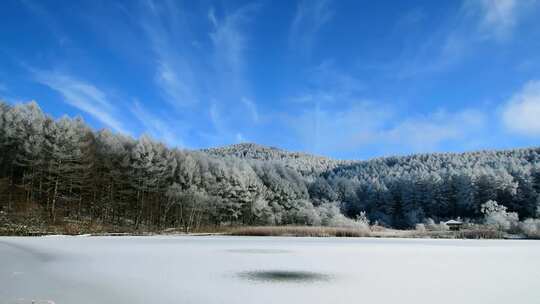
(29, 226)
(306, 231)
(479, 233)
(374, 231)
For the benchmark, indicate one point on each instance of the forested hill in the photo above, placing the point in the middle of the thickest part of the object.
(57, 170)
(406, 190)
(304, 163)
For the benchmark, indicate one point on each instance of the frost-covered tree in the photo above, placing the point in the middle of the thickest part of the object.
(151, 166)
(497, 215)
(62, 168)
(531, 228)
(67, 163)
(320, 189)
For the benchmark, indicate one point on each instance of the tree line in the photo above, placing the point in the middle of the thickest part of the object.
(402, 191)
(57, 169)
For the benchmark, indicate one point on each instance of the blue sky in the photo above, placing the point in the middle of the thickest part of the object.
(346, 79)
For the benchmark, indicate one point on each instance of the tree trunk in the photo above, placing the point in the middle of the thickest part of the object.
(53, 206)
(11, 184)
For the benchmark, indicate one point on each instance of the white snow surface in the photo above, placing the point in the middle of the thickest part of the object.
(211, 269)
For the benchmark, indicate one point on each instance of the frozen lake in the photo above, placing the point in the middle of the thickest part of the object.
(189, 269)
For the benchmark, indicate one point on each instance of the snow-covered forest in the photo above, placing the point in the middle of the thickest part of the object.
(56, 169)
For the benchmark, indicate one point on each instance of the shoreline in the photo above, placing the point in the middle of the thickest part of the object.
(296, 232)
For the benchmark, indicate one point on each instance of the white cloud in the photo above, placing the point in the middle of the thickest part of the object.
(324, 130)
(252, 108)
(200, 70)
(326, 83)
(457, 36)
(240, 138)
(165, 28)
(498, 16)
(310, 16)
(175, 90)
(521, 113)
(224, 131)
(331, 78)
(371, 126)
(157, 126)
(497, 19)
(230, 94)
(216, 118)
(427, 133)
(212, 17)
(83, 96)
(230, 42)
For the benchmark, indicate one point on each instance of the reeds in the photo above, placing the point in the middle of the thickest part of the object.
(305, 231)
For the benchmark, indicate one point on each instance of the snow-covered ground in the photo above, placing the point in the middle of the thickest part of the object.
(214, 269)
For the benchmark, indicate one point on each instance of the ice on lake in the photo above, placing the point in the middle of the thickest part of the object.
(219, 269)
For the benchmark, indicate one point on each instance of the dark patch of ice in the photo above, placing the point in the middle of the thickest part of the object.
(284, 276)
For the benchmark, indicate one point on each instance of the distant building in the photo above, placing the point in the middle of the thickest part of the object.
(454, 225)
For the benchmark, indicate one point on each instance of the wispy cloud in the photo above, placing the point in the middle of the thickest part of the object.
(252, 109)
(228, 38)
(221, 132)
(336, 118)
(309, 18)
(429, 132)
(497, 18)
(231, 97)
(83, 96)
(240, 138)
(473, 25)
(200, 65)
(229, 44)
(215, 117)
(326, 83)
(175, 90)
(370, 126)
(438, 51)
(168, 34)
(521, 113)
(326, 130)
(224, 130)
(157, 126)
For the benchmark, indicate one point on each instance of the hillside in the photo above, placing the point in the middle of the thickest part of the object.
(405, 190)
(54, 171)
(304, 163)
